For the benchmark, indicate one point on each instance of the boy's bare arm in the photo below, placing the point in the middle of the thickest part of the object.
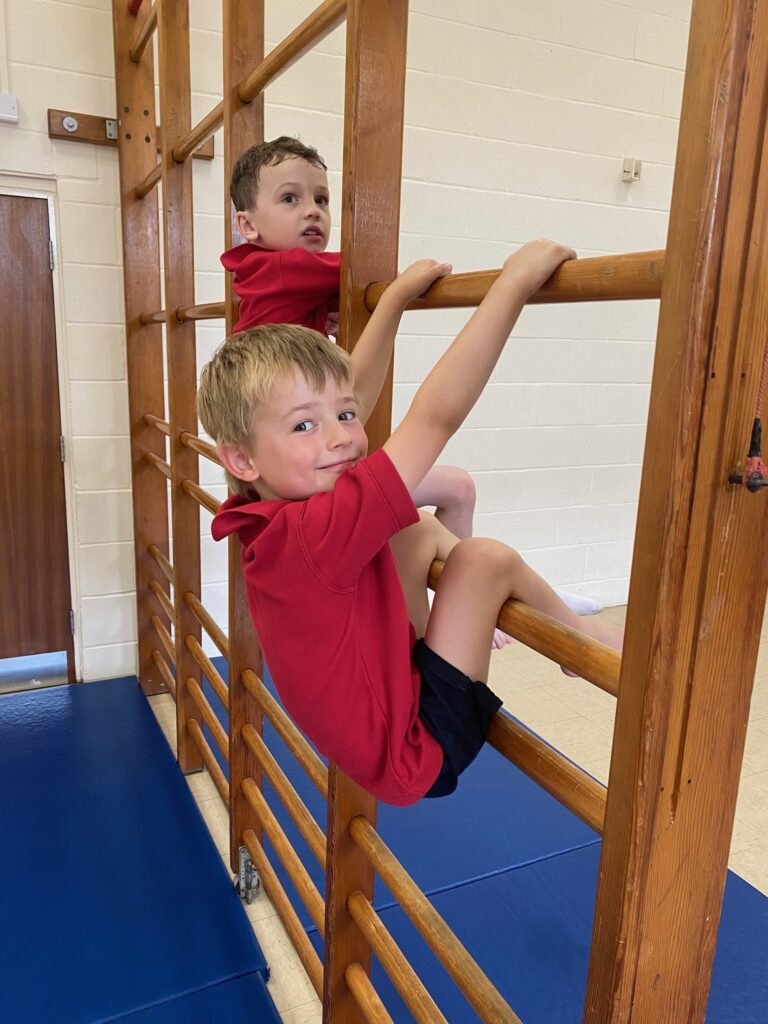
(451, 389)
(373, 351)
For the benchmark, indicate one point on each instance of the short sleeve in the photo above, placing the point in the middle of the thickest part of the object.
(341, 531)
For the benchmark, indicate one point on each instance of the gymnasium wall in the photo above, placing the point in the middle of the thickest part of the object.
(518, 119)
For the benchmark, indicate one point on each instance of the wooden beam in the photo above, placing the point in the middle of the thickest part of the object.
(141, 284)
(98, 132)
(178, 245)
(700, 566)
(243, 29)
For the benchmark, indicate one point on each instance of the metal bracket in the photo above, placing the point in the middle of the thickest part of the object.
(247, 882)
(70, 123)
(111, 127)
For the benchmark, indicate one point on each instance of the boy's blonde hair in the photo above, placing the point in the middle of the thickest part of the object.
(243, 371)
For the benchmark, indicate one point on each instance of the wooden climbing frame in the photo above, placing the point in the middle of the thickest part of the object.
(695, 607)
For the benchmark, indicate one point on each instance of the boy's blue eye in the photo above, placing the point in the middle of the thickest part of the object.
(347, 415)
(303, 427)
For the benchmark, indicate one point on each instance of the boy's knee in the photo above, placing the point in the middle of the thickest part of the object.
(488, 556)
(464, 489)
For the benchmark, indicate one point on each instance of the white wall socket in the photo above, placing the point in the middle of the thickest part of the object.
(9, 109)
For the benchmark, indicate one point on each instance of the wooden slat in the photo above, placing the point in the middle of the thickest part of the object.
(374, 94)
(158, 463)
(202, 131)
(288, 857)
(201, 496)
(306, 824)
(296, 931)
(635, 275)
(217, 730)
(157, 423)
(243, 46)
(207, 756)
(480, 993)
(144, 34)
(589, 658)
(162, 598)
(206, 665)
(141, 287)
(143, 189)
(164, 637)
(205, 311)
(288, 732)
(700, 565)
(365, 995)
(568, 783)
(315, 27)
(181, 358)
(157, 317)
(162, 561)
(209, 624)
(162, 667)
(421, 1004)
(204, 448)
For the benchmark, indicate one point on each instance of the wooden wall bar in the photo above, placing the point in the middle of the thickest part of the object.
(377, 32)
(243, 126)
(699, 580)
(175, 99)
(141, 282)
(633, 275)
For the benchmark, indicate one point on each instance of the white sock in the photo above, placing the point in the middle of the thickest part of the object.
(579, 603)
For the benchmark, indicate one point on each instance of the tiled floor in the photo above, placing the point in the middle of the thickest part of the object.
(575, 717)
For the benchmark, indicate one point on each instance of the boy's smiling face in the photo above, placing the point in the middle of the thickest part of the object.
(303, 440)
(291, 210)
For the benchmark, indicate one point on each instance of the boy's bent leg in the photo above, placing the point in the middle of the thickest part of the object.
(415, 549)
(452, 491)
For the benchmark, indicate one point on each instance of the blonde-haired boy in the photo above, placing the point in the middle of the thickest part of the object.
(336, 555)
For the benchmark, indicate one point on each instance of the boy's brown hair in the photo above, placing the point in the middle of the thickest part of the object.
(243, 371)
(244, 185)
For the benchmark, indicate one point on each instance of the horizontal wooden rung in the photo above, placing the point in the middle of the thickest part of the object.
(205, 709)
(207, 621)
(201, 496)
(204, 448)
(366, 997)
(213, 676)
(588, 658)
(562, 779)
(636, 275)
(159, 424)
(214, 770)
(484, 997)
(162, 561)
(162, 667)
(144, 34)
(289, 734)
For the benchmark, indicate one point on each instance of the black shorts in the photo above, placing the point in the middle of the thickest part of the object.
(456, 711)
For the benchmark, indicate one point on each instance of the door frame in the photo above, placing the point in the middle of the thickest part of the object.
(35, 187)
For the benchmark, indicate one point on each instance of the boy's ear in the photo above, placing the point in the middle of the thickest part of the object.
(238, 462)
(245, 226)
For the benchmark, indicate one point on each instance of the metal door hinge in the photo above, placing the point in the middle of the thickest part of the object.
(62, 448)
(51, 254)
(247, 882)
(72, 621)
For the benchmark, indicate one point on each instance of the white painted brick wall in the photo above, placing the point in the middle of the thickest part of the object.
(517, 120)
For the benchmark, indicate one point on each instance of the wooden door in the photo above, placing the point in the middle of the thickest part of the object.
(34, 579)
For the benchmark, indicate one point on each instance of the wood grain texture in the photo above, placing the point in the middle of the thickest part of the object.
(243, 40)
(178, 247)
(373, 134)
(141, 286)
(93, 129)
(634, 275)
(698, 584)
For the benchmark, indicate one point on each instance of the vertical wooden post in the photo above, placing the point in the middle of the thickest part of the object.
(141, 283)
(377, 33)
(243, 126)
(178, 240)
(700, 565)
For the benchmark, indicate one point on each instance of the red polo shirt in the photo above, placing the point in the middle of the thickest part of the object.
(329, 609)
(291, 287)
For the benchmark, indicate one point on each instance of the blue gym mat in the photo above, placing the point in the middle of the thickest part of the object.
(115, 902)
(514, 874)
